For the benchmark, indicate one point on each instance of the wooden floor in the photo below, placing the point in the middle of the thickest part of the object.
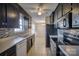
(39, 48)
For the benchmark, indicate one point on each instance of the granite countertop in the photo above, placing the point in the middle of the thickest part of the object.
(8, 42)
(69, 50)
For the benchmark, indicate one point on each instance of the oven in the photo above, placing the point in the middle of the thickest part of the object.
(70, 39)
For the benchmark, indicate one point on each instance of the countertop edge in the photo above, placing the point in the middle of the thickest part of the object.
(63, 50)
(14, 43)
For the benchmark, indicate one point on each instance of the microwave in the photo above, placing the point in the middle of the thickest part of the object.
(65, 22)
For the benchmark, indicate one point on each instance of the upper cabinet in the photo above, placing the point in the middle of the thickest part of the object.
(47, 19)
(9, 16)
(65, 21)
(66, 8)
(50, 19)
(12, 14)
(75, 15)
(30, 22)
(55, 16)
(59, 11)
(2, 16)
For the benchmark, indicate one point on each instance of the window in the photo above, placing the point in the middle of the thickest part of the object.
(21, 24)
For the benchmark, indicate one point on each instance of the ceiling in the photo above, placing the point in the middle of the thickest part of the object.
(32, 9)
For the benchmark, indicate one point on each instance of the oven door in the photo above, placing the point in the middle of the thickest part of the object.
(70, 40)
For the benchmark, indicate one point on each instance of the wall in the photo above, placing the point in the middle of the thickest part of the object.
(7, 32)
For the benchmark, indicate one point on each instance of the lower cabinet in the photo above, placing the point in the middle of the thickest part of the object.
(30, 42)
(21, 48)
(9, 52)
(52, 47)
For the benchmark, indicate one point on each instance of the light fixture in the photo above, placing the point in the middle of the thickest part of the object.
(39, 13)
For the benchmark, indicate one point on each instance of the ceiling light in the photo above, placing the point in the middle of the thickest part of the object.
(40, 9)
(39, 13)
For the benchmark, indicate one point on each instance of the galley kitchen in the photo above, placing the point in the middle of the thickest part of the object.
(39, 29)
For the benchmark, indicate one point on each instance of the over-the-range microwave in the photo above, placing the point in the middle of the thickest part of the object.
(65, 22)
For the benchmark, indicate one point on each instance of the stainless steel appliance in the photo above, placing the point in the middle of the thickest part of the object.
(70, 39)
(65, 21)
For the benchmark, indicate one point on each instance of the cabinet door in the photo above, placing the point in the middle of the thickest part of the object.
(59, 10)
(29, 44)
(47, 20)
(75, 15)
(21, 48)
(66, 8)
(55, 16)
(2, 16)
(12, 16)
(52, 18)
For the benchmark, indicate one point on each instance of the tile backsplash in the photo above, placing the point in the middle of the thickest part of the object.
(6, 32)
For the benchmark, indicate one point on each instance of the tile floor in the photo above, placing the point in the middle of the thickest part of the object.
(39, 49)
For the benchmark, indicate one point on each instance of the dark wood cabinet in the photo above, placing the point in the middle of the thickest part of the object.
(9, 52)
(75, 15)
(59, 11)
(63, 9)
(12, 16)
(52, 18)
(2, 16)
(55, 16)
(9, 16)
(66, 8)
(65, 22)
